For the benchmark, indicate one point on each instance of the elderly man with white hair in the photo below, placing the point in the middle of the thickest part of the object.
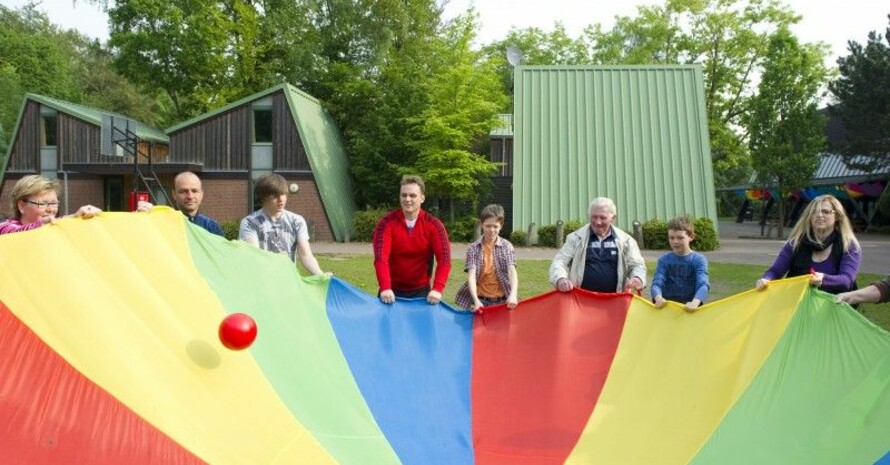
(599, 257)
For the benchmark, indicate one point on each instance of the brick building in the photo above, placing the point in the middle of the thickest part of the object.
(280, 129)
(61, 140)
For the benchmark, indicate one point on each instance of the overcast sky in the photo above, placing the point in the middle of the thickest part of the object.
(831, 22)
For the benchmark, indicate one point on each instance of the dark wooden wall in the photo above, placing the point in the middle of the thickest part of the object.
(502, 152)
(221, 143)
(26, 147)
(77, 142)
(287, 148)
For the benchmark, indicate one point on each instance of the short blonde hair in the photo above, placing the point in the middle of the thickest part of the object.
(413, 179)
(30, 186)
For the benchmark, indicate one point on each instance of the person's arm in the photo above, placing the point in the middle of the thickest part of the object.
(658, 282)
(382, 244)
(247, 233)
(215, 228)
(85, 212)
(883, 287)
(780, 266)
(702, 279)
(559, 267)
(9, 227)
(304, 250)
(513, 297)
(847, 271)
(867, 295)
(474, 292)
(442, 251)
(636, 266)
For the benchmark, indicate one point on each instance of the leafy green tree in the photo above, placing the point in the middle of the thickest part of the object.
(729, 38)
(862, 93)
(34, 57)
(464, 99)
(180, 47)
(786, 129)
(11, 93)
(37, 57)
(104, 88)
(538, 47)
(374, 79)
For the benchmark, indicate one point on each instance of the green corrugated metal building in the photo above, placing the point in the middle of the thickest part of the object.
(637, 134)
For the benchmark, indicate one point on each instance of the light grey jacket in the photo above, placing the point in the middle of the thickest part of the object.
(569, 261)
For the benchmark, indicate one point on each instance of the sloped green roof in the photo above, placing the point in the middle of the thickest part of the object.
(324, 149)
(506, 127)
(327, 157)
(636, 134)
(82, 112)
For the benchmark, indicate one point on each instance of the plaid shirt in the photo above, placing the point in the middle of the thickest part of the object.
(503, 257)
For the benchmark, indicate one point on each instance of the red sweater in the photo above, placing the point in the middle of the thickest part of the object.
(403, 260)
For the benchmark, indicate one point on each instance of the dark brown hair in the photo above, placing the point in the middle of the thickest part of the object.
(682, 223)
(270, 185)
(492, 211)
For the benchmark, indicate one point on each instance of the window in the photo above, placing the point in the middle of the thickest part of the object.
(262, 125)
(49, 130)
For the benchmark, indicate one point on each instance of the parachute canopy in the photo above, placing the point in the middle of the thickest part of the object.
(111, 355)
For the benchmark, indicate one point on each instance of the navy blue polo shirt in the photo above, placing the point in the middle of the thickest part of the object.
(601, 264)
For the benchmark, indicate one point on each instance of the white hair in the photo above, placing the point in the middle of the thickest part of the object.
(603, 202)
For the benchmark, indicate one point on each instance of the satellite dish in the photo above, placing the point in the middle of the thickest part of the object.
(514, 55)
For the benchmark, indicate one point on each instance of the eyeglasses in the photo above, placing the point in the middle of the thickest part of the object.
(43, 204)
(826, 211)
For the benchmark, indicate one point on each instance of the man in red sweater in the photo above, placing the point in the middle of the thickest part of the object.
(405, 243)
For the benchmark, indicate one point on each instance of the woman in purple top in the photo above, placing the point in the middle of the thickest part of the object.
(822, 244)
(35, 202)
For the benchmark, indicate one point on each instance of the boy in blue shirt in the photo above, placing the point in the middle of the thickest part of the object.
(681, 274)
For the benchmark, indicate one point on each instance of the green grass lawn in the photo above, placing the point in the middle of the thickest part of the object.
(726, 279)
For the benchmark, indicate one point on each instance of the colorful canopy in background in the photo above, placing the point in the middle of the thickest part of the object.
(852, 191)
(110, 356)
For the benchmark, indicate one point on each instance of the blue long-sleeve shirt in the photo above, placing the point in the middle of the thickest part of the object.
(681, 278)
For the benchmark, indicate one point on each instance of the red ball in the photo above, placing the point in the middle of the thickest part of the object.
(237, 331)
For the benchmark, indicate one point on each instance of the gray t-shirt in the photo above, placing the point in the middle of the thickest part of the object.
(276, 236)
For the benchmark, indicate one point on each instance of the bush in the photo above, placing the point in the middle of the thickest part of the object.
(547, 236)
(462, 229)
(519, 238)
(230, 229)
(705, 235)
(364, 223)
(655, 235)
(572, 226)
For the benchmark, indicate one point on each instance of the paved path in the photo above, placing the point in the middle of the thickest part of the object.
(739, 243)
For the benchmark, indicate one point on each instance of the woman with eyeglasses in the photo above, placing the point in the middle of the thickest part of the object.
(35, 202)
(821, 244)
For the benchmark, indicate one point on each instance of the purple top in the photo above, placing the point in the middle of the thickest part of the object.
(839, 277)
(14, 226)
